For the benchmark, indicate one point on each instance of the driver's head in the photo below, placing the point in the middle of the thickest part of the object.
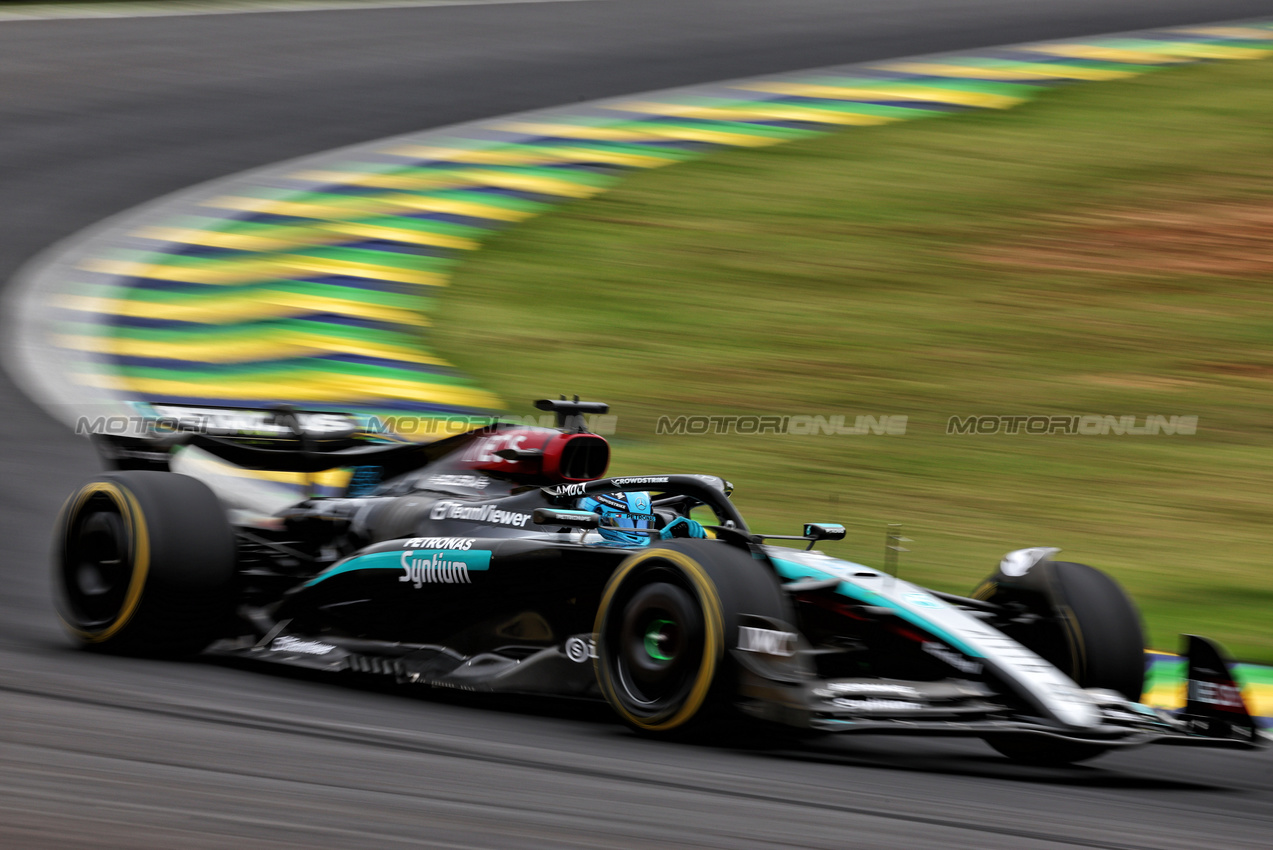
(619, 511)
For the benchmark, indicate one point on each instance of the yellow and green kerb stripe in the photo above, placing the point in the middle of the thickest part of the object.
(314, 284)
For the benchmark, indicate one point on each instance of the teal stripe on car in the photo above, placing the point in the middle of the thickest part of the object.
(792, 571)
(431, 566)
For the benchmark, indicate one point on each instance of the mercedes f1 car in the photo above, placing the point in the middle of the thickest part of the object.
(466, 564)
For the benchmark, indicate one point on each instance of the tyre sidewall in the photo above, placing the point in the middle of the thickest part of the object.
(181, 552)
(1092, 629)
(727, 583)
(1103, 630)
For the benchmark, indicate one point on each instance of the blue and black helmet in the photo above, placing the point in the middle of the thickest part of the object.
(619, 511)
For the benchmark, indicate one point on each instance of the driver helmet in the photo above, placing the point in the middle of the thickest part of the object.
(619, 511)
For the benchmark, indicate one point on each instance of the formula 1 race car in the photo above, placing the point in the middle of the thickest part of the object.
(467, 564)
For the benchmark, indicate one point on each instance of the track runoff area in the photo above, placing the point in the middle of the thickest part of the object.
(311, 282)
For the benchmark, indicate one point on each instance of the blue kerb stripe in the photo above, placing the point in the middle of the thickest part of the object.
(479, 559)
(792, 570)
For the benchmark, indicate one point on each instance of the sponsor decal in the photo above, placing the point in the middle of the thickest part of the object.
(613, 520)
(954, 659)
(580, 650)
(475, 482)
(876, 704)
(489, 514)
(437, 567)
(766, 641)
(287, 643)
(1224, 696)
(611, 501)
(459, 544)
(483, 450)
(624, 482)
(566, 490)
(418, 566)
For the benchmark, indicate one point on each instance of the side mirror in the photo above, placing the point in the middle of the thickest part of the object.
(824, 531)
(567, 519)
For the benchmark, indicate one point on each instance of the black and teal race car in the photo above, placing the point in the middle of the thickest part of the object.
(466, 564)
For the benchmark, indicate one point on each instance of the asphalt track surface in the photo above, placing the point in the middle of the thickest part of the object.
(98, 116)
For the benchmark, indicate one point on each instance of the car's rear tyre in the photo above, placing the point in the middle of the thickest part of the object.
(144, 563)
(667, 618)
(1088, 627)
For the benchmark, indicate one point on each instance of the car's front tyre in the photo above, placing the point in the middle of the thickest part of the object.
(1087, 626)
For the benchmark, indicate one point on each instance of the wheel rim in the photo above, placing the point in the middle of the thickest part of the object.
(660, 640)
(660, 647)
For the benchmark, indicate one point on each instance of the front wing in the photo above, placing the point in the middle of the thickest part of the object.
(957, 708)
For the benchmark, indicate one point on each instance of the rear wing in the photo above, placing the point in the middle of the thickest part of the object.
(283, 439)
(280, 438)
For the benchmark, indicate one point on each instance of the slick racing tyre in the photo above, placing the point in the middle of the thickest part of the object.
(144, 563)
(1087, 626)
(667, 618)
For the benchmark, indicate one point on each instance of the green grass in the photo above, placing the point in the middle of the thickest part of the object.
(1076, 255)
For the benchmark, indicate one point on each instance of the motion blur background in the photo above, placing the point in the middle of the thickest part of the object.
(1098, 250)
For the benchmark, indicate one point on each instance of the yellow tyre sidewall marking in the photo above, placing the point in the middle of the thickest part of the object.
(713, 639)
(139, 553)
